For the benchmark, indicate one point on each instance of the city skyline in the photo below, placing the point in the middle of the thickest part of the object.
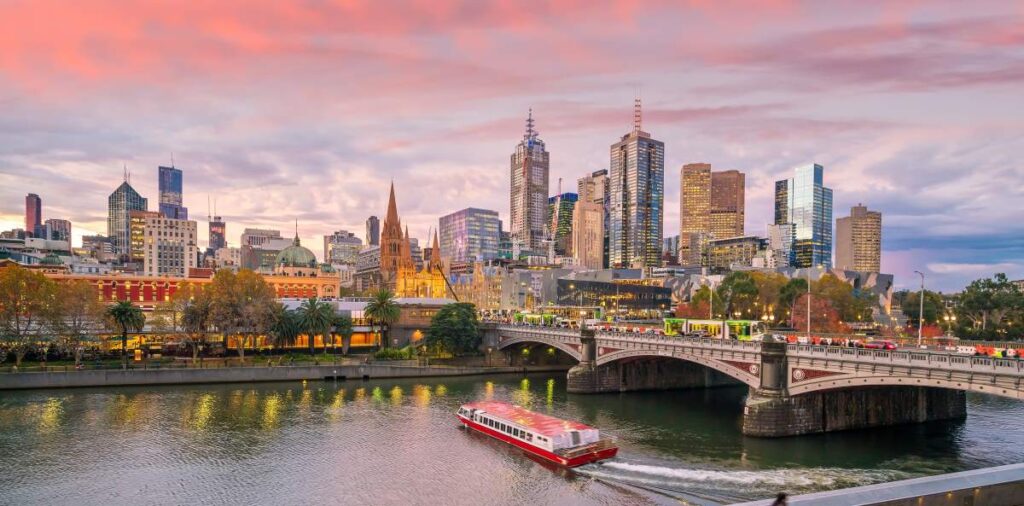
(940, 166)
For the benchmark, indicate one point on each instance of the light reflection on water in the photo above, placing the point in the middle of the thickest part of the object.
(385, 442)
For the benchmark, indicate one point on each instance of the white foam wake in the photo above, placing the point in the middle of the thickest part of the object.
(793, 478)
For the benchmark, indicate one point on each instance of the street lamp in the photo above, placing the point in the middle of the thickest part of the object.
(920, 311)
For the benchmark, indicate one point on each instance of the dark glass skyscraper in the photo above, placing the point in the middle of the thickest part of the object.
(170, 185)
(120, 203)
(636, 199)
(560, 209)
(218, 230)
(373, 231)
(808, 208)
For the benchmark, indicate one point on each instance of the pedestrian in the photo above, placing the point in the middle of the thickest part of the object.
(780, 500)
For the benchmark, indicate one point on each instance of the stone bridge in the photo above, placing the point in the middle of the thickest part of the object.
(795, 389)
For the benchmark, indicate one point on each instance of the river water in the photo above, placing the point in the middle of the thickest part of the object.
(398, 442)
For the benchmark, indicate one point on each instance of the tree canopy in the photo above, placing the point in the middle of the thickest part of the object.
(454, 329)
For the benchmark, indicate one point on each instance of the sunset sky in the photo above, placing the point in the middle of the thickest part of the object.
(306, 110)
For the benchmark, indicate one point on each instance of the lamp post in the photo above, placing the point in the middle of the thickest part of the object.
(920, 311)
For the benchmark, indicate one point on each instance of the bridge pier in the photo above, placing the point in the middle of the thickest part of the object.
(768, 414)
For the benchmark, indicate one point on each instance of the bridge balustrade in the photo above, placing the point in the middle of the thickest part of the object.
(934, 360)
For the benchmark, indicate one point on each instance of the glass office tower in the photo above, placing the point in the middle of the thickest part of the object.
(170, 186)
(636, 199)
(809, 209)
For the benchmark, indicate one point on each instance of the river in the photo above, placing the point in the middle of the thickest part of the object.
(398, 442)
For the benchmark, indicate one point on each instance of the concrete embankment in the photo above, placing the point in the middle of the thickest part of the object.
(118, 377)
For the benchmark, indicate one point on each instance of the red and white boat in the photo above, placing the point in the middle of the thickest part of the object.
(560, 441)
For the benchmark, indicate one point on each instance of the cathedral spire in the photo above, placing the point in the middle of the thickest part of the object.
(392, 215)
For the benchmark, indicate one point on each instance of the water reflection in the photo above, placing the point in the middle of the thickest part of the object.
(50, 419)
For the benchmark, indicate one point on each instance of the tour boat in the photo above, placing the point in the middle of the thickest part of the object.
(562, 442)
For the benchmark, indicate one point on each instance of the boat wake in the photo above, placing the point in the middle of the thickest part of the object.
(726, 484)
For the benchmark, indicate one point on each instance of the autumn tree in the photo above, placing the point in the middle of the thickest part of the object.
(824, 316)
(75, 317)
(241, 305)
(27, 300)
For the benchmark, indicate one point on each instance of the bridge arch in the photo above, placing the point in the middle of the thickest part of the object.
(505, 342)
(746, 376)
(852, 381)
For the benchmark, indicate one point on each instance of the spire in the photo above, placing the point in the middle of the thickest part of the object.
(435, 251)
(392, 216)
(126, 172)
(637, 115)
(530, 132)
(407, 233)
(296, 241)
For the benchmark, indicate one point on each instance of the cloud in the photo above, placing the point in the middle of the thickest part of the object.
(973, 269)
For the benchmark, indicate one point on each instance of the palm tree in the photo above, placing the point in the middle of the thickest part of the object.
(343, 327)
(125, 317)
(285, 327)
(384, 310)
(316, 317)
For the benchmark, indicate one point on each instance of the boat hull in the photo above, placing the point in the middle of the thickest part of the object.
(579, 460)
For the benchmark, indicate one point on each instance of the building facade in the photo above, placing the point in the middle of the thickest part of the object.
(258, 236)
(33, 214)
(137, 234)
(560, 211)
(170, 185)
(342, 247)
(808, 208)
(398, 267)
(711, 203)
(170, 247)
(123, 201)
(588, 234)
(470, 235)
(726, 254)
(859, 240)
(57, 230)
(218, 234)
(594, 189)
(373, 231)
(529, 167)
(636, 199)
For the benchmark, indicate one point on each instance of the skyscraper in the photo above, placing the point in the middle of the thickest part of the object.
(218, 231)
(57, 230)
(808, 207)
(123, 201)
(170, 246)
(529, 196)
(594, 189)
(373, 231)
(711, 205)
(469, 235)
(342, 247)
(560, 209)
(170, 186)
(636, 198)
(859, 240)
(33, 214)
(588, 234)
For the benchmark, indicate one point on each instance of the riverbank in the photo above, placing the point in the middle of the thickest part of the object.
(250, 374)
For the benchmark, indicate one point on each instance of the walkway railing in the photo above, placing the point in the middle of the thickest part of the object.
(917, 358)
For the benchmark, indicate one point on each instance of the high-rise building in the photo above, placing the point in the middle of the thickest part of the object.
(560, 209)
(588, 234)
(257, 237)
(733, 252)
(470, 235)
(373, 231)
(57, 230)
(123, 201)
(218, 234)
(710, 203)
(636, 198)
(808, 207)
(33, 214)
(529, 196)
(342, 247)
(170, 186)
(137, 234)
(594, 189)
(170, 247)
(859, 240)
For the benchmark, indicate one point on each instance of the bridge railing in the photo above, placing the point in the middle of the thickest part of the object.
(706, 342)
(911, 358)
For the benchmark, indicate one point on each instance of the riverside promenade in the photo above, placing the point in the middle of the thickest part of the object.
(179, 376)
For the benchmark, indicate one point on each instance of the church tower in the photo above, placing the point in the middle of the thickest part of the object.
(392, 243)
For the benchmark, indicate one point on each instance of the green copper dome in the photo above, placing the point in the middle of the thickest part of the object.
(51, 259)
(296, 256)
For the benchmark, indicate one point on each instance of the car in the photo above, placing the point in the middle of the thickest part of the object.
(880, 345)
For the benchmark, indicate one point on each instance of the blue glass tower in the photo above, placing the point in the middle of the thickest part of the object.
(804, 202)
(170, 193)
(636, 199)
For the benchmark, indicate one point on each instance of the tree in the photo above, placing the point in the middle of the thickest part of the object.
(168, 316)
(285, 328)
(933, 307)
(824, 317)
(26, 302)
(125, 317)
(242, 305)
(769, 289)
(702, 297)
(316, 317)
(196, 321)
(691, 310)
(343, 327)
(987, 303)
(788, 295)
(77, 314)
(384, 311)
(739, 293)
(454, 329)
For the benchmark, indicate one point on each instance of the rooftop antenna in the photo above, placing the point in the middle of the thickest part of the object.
(530, 132)
(172, 159)
(125, 172)
(208, 216)
(637, 114)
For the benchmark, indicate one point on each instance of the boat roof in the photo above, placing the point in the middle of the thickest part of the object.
(541, 424)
